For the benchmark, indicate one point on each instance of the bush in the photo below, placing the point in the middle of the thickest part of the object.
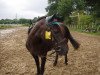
(5, 26)
(86, 21)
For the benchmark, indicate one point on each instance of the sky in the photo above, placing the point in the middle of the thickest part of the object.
(10, 9)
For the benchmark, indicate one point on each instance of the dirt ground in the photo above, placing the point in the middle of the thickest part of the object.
(16, 60)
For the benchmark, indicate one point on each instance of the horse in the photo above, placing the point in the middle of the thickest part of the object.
(43, 37)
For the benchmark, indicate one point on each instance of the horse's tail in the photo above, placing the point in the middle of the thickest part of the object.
(74, 43)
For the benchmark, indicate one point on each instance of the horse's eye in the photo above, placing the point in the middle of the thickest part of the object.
(55, 32)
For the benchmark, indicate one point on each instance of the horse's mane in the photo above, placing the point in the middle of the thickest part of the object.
(41, 18)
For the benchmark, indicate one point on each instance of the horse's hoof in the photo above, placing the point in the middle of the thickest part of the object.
(54, 64)
(66, 63)
(39, 74)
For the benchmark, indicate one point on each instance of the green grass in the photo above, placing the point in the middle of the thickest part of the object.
(26, 24)
(5, 26)
(9, 26)
(79, 30)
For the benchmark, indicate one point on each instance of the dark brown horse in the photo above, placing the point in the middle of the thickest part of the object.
(43, 38)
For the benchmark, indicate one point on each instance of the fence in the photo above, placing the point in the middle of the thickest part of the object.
(86, 28)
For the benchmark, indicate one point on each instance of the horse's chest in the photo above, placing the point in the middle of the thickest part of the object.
(41, 49)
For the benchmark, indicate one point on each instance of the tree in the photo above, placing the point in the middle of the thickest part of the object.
(95, 7)
(78, 4)
(65, 7)
(52, 7)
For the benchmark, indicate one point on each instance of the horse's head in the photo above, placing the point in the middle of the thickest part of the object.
(60, 42)
(55, 36)
(55, 33)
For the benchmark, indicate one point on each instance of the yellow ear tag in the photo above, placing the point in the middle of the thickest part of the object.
(47, 34)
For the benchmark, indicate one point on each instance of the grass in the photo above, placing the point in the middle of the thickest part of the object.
(6, 26)
(26, 24)
(79, 30)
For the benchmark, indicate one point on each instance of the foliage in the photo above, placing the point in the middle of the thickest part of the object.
(65, 7)
(26, 24)
(95, 7)
(84, 14)
(86, 20)
(78, 4)
(17, 21)
(52, 7)
(5, 26)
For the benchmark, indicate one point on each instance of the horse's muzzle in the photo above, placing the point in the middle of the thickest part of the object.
(61, 50)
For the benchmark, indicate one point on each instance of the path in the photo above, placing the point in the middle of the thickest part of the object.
(16, 60)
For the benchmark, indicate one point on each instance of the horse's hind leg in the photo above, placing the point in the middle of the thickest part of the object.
(43, 61)
(37, 64)
(56, 59)
(66, 59)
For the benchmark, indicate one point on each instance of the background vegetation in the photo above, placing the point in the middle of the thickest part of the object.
(9, 23)
(83, 15)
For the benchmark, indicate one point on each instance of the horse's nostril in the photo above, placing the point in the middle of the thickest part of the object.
(58, 50)
(61, 51)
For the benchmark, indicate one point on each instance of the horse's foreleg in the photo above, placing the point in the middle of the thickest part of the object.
(37, 64)
(56, 59)
(66, 60)
(43, 61)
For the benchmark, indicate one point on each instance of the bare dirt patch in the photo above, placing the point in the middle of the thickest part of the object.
(16, 60)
